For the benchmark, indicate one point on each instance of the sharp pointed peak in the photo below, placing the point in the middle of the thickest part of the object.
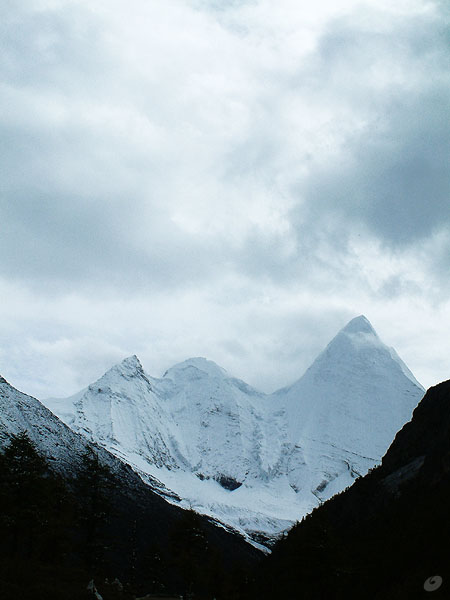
(131, 361)
(129, 366)
(129, 369)
(360, 324)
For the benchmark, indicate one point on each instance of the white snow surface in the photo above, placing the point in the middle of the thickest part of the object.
(256, 462)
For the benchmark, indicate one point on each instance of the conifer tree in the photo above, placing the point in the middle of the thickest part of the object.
(92, 482)
(35, 513)
(24, 496)
(189, 551)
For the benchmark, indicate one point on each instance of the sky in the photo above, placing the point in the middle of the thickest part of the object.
(230, 179)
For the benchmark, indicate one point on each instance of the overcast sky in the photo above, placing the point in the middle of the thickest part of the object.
(230, 179)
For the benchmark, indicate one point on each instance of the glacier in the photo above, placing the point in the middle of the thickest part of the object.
(255, 462)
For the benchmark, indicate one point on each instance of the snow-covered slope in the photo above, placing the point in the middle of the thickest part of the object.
(228, 429)
(19, 412)
(255, 462)
(346, 409)
(122, 412)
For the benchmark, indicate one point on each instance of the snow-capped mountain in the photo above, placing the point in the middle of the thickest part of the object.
(346, 409)
(228, 429)
(256, 462)
(122, 412)
(198, 431)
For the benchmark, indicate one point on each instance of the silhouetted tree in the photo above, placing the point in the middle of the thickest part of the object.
(93, 482)
(189, 552)
(31, 501)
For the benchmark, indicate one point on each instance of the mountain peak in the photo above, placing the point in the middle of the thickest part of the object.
(359, 325)
(2, 380)
(200, 364)
(129, 367)
(131, 362)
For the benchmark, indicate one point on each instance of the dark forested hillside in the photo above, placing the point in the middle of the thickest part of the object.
(56, 534)
(387, 535)
(70, 512)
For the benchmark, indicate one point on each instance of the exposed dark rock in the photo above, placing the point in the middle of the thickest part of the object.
(228, 482)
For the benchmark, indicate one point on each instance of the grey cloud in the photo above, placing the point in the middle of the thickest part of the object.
(74, 191)
(54, 246)
(106, 142)
(59, 48)
(86, 229)
(234, 347)
(221, 5)
(319, 258)
(395, 182)
(73, 194)
(397, 285)
(392, 178)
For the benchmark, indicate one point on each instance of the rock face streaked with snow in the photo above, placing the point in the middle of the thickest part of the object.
(256, 462)
(60, 445)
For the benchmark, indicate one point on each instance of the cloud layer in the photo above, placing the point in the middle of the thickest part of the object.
(229, 179)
